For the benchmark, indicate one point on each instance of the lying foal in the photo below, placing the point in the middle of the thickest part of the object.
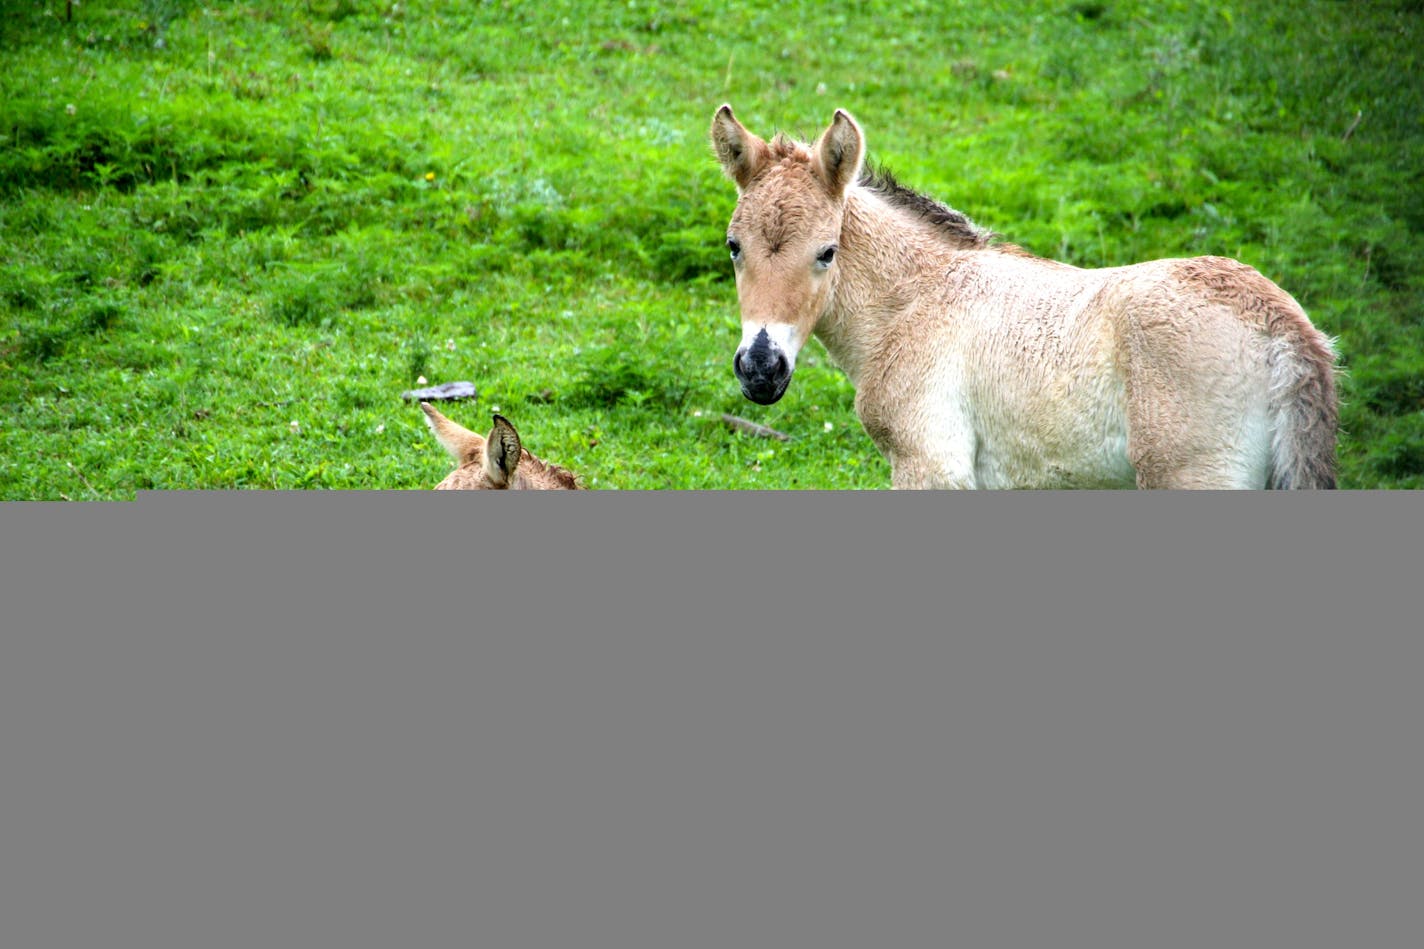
(494, 462)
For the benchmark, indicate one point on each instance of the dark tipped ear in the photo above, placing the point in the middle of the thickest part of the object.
(741, 153)
(501, 452)
(839, 153)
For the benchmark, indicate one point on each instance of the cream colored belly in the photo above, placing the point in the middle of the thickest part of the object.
(1055, 439)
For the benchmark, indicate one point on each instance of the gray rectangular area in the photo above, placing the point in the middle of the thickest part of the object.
(687, 720)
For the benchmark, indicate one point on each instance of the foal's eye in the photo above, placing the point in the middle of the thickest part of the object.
(825, 257)
(734, 247)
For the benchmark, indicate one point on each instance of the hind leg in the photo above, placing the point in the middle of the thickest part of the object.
(1232, 455)
(1197, 403)
(1199, 477)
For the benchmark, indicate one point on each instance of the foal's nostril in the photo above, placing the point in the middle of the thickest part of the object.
(739, 363)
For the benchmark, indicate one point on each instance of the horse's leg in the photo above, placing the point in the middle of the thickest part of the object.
(1198, 477)
(941, 459)
(1197, 400)
(923, 473)
(1221, 447)
(926, 435)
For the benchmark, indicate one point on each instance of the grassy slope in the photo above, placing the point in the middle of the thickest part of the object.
(251, 219)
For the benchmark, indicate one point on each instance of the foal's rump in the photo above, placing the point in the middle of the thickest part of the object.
(1227, 382)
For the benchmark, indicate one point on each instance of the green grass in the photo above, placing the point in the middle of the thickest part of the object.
(234, 233)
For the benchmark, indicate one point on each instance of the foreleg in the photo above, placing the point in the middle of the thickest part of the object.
(946, 462)
(920, 474)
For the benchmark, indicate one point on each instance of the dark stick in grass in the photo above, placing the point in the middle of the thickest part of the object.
(753, 428)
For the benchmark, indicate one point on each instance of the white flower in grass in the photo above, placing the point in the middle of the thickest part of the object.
(829, 426)
(295, 426)
(380, 428)
(420, 380)
(450, 345)
(70, 109)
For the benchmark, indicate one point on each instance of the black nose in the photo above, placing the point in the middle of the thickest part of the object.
(760, 362)
(764, 372)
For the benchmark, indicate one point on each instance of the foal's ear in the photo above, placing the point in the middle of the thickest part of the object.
(501, 452)
(839, 153)
(462, 444)
(741, 153)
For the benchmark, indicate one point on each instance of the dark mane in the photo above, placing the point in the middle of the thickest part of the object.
(949, 222)
(564, 476)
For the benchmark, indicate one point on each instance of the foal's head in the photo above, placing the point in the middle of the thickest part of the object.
(783, 238)
(495, 462)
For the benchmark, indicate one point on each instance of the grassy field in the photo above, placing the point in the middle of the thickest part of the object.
(234, 233)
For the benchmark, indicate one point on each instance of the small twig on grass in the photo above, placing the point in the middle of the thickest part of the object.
(1359, 114)
(80, 475)
(753, 428)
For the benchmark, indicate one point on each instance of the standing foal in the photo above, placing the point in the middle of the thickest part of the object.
(979, 365)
